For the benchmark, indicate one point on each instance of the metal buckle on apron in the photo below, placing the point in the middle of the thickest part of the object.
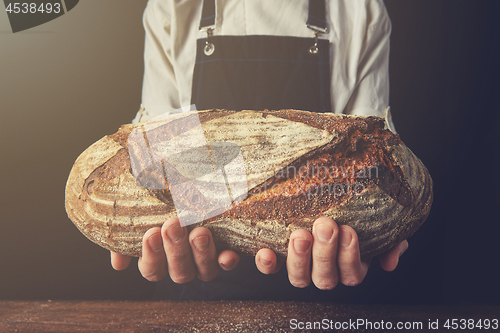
(316, 21)
(207, 24)
(209, 46)
(317, 30)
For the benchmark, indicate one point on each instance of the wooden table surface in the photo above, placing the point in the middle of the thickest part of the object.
(226, 316)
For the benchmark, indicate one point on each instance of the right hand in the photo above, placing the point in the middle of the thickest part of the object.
(172, 250)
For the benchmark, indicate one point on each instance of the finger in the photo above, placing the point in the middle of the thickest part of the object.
(204, 253)
(351, 269)
(228, 260)
(181, 267)
(389, 260)
(153, 263)
(119, 261)
(266, 261)
(324, 254)
(299, 258)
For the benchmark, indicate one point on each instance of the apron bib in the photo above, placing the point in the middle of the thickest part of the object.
(262, 72)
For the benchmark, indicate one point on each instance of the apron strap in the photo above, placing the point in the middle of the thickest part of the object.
(316, 20)
(208, 15)
(317, 16)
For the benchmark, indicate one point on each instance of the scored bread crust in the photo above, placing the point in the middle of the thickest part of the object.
(111, 208)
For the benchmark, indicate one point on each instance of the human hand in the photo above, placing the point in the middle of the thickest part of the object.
(172, 250)
(335, 257)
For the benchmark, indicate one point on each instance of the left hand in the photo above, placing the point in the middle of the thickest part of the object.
(335, 257)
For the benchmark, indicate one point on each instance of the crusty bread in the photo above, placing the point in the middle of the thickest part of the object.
(298, 166)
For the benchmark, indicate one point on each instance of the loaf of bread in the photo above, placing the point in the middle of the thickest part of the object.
(251, 177)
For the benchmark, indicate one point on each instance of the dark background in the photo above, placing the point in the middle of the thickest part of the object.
(67, 83)
(444, 85)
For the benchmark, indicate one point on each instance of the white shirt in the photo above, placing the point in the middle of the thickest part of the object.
(359, 32)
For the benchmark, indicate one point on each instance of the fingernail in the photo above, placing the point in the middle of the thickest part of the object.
(403, 251)
(301, 245)
(201, 243)
(228, 264)
(175, 233)
(324, 232)
(265, 262)
(155, 242)
(345, 239)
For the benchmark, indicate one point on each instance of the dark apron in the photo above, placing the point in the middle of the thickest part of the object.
(262, 72)
(256, 73)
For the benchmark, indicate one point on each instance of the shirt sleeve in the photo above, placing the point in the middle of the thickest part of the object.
(159, 90)
(370, 95)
